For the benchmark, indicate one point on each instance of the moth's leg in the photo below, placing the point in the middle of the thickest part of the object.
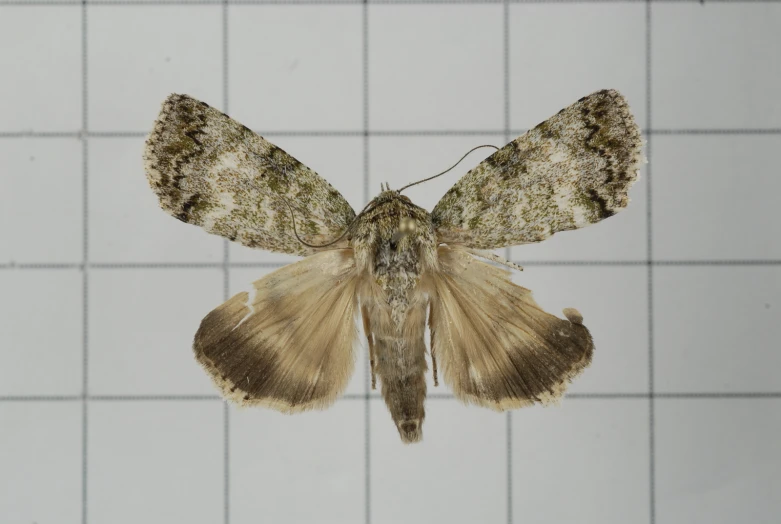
(368, 331)
(433, 356)
(493, 257)
(434, 366)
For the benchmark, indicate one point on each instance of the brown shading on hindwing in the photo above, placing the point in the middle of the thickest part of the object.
(290, 346)
(495, 346)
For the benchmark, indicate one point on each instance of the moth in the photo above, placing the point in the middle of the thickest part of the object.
(289, 342)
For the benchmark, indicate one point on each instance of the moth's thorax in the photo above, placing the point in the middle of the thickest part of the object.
(395, 243)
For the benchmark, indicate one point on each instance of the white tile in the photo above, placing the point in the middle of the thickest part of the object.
(586, 461)
(40, 461)
(142, 324)
(717, 461)
(41, 200)
(296, 67)
(125, 219)
(242, 279)
(401, 160)
(156, 461)
(716, 66)
(559, 53)
(337, 159)
(40, 49)
(714, 197)
(436, 67)
(457, 474)
(614, 305)
(41, 332)
(307, 467)
(716, 329)
(138, 56)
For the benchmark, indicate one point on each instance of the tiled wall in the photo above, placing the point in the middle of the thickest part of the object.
(105, 418)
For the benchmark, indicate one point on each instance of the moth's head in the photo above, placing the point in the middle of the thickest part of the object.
(391, 202)
(388, 201)
(387, 194)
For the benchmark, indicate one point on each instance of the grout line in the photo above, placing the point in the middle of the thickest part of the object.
(365, 132)
(706, 395)
(531, 263)
(225, 269)
(118, 134)
(388, 133)
(84, 463)
(273, 265)
(41, 398)
(160, 265)
(738, 395)
(154, 398)
(508, 250)
(366, 196)
(262, 264)
(84, 267)
(26, 3)
(225, 54)
(708, 262)
(80, 267)
(41, 134)
(288, 2)
(679, 132)
(618, 396)
(614, 396)
(649, 247)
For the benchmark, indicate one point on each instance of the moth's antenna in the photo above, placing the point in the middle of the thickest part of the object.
(446, 170)
(332, 242)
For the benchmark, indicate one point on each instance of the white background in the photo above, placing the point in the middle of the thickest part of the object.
(105, 418)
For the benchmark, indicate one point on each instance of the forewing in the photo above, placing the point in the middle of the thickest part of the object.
(494, 344)
(570, 171)
(288, 344)
(210, 170)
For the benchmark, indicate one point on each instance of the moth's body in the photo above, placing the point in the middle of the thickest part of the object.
(288, 343)
(394, 246)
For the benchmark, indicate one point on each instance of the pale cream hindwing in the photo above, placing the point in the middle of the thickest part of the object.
(288, 344)
(211, 171)
(494, 345)
(570, 171)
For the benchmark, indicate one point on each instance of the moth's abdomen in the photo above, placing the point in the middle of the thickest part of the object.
(400, 364)
(401, 368)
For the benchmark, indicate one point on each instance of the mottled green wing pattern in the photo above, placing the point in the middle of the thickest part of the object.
(570, 171)
(211, 171)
